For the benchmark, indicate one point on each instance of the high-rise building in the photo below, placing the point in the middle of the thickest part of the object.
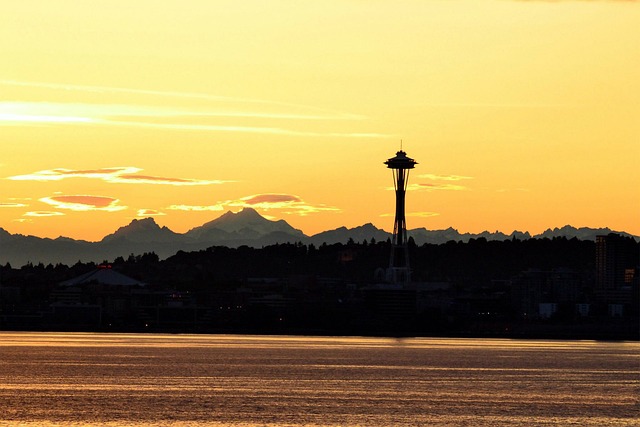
(399, 271)
(617, 259)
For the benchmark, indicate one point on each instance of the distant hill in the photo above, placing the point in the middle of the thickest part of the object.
(343, 234)
(246, 227)
(143, 230)
(422, 235)
(583, 233)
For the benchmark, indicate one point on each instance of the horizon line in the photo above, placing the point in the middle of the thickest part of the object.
(469, 234)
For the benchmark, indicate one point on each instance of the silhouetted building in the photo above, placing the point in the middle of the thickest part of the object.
(399, 271)
(103, 275)
(617, 259)
(96, 298)
(541, 294)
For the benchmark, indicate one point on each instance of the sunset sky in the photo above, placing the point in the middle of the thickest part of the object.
(521, 114)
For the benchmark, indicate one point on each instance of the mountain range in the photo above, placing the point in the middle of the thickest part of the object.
(246, 227)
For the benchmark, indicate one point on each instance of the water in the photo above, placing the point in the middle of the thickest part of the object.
(54, 379)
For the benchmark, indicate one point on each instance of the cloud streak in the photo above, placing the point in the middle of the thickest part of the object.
(437, 186)
(10, 118)
(285, 203)
(84, 203)
(155, 180)
(178, 118)
(423, 214)
(12, 205)
(61, 173)
(440, 182)
(114, 175)
(444, 177)
(89, 112)
(271, 199)
(326, 113)
(40, 214)
(149, 212)
(246, 129)
(20, 113)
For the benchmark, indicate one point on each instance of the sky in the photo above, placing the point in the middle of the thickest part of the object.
(522, 115)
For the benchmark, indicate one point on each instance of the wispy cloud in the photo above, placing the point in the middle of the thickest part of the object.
(38, 214)
(178, 117)
(84, 203)
(11, 118)
(149, 212)
(60, 174)
(196, 208)
(433, 187)
(285, 203)
(20, 113)
(422, 214)
(443, 177)
(271, 199)
(321, 113)
(147, 179)
(27, 111)
(436, 186)
(117, 175)
(241, 129)
(440, 182)
(12, 205)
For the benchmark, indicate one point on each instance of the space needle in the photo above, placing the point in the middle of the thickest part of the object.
(399, 271)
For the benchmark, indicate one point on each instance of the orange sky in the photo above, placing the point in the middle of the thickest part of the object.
(522, 114)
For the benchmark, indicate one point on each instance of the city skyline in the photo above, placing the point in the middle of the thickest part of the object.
(523, 115)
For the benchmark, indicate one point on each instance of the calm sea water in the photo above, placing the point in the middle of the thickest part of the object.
(54, 379)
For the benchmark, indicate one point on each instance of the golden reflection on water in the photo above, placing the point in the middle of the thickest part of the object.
(179, 340)
(64, 379)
